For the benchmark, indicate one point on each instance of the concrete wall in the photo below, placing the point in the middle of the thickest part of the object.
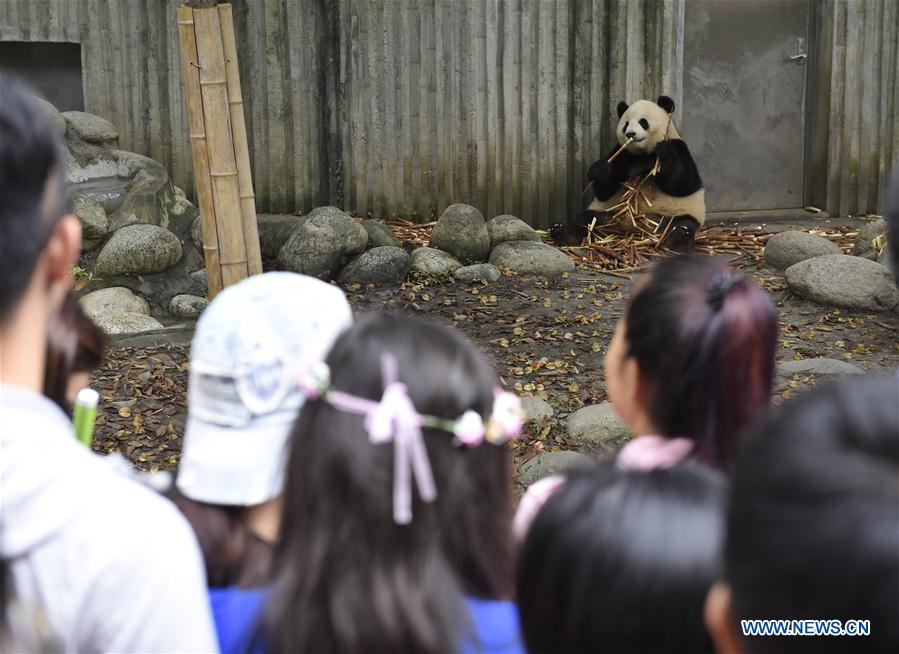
(410, 105)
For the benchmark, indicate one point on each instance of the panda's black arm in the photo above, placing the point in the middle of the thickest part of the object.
(607, 178)
(678, 175)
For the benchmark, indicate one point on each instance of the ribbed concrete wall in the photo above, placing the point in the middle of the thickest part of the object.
(863, 133)
(401, 106)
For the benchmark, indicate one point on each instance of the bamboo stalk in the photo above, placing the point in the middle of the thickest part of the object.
(611, 159)
(241, 148)
(222, 164)
(190, 73)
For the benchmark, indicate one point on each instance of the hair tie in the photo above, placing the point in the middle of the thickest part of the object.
(719, 287)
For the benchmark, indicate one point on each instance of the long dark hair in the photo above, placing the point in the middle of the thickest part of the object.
(705, 340)
(621, 561)
(813, 526)
(74, 344)
(348, 578)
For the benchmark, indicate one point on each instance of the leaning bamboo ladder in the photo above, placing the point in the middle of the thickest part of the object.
(218, 139)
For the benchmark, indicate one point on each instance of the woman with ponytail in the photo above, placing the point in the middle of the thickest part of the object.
(691, 364)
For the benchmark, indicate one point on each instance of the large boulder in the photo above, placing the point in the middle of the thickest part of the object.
(127, 323)
(845, 281)
(478, 272)
(863, 246)
(531, 257)
(509, 228)
(461, 231)
(379, 234)
(322, 243)
(94, 223)
(386, 264)
(597, 424)
(274, 230)
(786, 248)
(552, 463)
(187, 306)
(138, 249)
(90, 128)
(58, 121)
(149, 200)
(113, 301)
(885, 258)
(433, 262)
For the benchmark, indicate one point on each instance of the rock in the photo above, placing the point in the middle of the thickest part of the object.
(379, 234)
(148, 202)
(818, 366)
(110, 192)
(786, 248)
(187, 306)
(138, 249)
(94, 223)
(113, 301)
(196, 232)
(180, 204)
(844, 281)
(90, 128)
(531, 257)
(864, 240)
(274, 230)
(597, 424)
(127, 323)
(461, 231)
(322, 243)
(885, 258)
(536, 410)
(509, 228)
(479, 272)
(386, 264)
(433, 262)
(55, 116)
(552, 463)
(201, 278)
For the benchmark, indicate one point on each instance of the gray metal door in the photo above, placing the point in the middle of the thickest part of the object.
(745, 64)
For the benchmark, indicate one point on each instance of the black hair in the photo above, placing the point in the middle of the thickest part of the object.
(704, 339)
(347, 577)
(892, 217)
(813, 529)
(621, 561)
(74, 344)
(30, 156)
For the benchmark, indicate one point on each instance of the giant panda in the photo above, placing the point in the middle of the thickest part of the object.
(675, 193)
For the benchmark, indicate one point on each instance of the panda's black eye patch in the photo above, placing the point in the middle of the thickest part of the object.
(624, 129)
(644, 123)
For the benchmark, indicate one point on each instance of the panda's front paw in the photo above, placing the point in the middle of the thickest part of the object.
(666, 152)
(600, 172)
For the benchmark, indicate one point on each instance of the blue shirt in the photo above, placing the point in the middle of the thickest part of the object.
(237, 612)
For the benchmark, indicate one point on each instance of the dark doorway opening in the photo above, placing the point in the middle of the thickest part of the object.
(54, 69)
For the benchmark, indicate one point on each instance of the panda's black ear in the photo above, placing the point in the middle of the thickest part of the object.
(665, 103)
(622, 107)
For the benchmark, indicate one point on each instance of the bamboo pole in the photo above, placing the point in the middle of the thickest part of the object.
(191, 75)
(241, 148)
(222, 165)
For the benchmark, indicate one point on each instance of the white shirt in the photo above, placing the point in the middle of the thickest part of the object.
(109, 564)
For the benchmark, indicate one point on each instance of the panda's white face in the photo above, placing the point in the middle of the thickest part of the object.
(645, 122)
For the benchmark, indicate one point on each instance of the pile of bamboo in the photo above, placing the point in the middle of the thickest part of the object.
(218, 139)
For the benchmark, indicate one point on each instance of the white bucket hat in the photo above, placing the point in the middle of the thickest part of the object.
(243, 397)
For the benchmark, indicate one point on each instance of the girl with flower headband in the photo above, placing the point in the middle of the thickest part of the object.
(395, 532)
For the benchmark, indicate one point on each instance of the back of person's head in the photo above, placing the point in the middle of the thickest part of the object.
(704, 340)
(813, 524)
(242, 402)
(32, 188)
(892, 217)
(621, 561)
(353, 574)
(74, 348)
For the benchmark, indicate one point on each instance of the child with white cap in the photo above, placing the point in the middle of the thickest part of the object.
(243, 399)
